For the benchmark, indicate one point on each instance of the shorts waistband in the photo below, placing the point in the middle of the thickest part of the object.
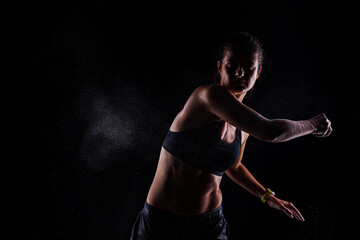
(165, 214)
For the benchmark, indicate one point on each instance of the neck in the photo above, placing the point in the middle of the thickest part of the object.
(240, 96)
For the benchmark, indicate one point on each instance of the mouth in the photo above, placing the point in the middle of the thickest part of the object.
(240, 82)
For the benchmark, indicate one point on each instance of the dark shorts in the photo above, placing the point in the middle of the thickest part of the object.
(154, 223)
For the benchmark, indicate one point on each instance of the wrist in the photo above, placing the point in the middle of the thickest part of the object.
(261, 192)
(312, 126)
(269, 193)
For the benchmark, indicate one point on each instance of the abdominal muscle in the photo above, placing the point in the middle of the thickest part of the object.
(182, 189)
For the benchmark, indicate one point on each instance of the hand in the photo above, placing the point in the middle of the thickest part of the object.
(322, 125)
(286, 207)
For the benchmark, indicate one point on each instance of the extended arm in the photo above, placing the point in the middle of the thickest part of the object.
(225, 105)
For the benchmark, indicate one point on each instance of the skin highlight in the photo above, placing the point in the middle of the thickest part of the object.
(185, 190)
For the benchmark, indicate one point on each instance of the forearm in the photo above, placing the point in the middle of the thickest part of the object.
(245, 179)
(285, 130)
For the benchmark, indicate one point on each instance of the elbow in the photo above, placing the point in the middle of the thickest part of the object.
(270, 131)
(273, 138)
(274, 135)
(277, 130)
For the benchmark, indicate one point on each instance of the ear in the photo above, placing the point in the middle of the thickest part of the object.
(219, 66)
(258, 74)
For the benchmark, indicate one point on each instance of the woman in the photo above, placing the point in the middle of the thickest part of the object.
(207, 139)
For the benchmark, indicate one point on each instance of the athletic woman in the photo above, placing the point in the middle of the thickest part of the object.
(207, 139)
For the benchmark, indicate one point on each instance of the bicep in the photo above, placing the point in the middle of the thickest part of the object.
(226, 106)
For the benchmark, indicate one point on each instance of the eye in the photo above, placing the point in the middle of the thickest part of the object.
(230, 65)
(249, 68)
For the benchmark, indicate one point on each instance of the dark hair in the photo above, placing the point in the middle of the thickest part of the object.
(240, 39)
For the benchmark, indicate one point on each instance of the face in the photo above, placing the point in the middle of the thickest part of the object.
(239, 70)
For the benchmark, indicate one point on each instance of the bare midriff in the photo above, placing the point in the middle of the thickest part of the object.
(182, 189)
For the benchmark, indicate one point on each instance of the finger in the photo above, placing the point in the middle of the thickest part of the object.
(328, 122)
(296, 212)
(319, 134)
(327, 132)
(287, 211)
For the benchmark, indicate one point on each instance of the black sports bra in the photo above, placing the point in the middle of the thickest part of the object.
(203, 148)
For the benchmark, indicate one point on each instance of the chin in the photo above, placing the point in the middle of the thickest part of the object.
(239, 88)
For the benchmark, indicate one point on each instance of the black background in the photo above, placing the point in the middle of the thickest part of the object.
(92, 88)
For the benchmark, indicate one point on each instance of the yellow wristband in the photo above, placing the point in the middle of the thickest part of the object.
(267, 194)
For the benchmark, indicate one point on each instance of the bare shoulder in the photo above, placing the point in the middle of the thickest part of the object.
(200, 94)
(210, 91)
(199, 99)
(195, 113)
(208, 94)
(218, 93)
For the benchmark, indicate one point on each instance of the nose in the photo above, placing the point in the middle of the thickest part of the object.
(239, 72)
